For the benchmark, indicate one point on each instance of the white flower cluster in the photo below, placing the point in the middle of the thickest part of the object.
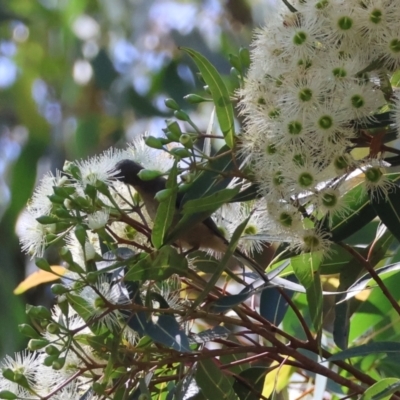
(76, 177)
(60, 369)
(318, 76)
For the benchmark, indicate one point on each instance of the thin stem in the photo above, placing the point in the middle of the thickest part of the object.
(373, 274)
(299, 316)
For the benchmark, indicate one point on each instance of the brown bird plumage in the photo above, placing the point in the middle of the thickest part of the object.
(204, 235)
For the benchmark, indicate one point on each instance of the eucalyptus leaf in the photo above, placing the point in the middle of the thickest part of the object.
(388, 210)
(359, 212)
(364, 282)
(254, 377)
(158, 266)
(226, 303)
(382, 390)
(213, 382)
(166, 210)
(163, 329)
(210, 203)
(366, 349)
(306, 269)
(219, 93)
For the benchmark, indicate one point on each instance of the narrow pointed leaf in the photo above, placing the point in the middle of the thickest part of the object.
(254, 377)
(306, 271)
(165, 330)
(358, 214)
(219, 93)
(382, 390)
(388, 210)
(366, 281)
(366, 349)
(213, 382)
(207, 183)
(158, 266)
(273, 305)
(210, 203)
(165, 211)
(223, 263)
(250, 193)
(228, 302)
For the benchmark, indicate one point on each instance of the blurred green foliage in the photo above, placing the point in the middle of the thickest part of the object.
(79, 76)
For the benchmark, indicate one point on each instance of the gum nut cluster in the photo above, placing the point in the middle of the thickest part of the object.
(318, 74)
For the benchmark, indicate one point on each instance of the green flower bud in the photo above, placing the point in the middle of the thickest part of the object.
(53, 328)
(91, 191)
(244, 56)
(180, 152)
(174, 130)
(186, 140)
(80, 234)
(5, 394)
(59, 289)
(40, 312)
(64, 191)
(42, 264)
(163, 195)
(37, 344)
(56, 199)
(154, 142)
(52, 350)
(234, 60)
(195, 99)
(148, 174)
(182, 115)
(172, 104)
(62, 213)
(28, 331)
(47, 219)
(48, 361)
(58, 364)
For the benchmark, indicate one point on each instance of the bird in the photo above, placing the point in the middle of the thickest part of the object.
(204, 235)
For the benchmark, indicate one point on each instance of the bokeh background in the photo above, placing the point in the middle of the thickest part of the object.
(79, 76)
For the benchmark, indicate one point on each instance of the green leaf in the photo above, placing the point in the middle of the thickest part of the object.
(81, 306)
(366, 349)
(158, 266)
(213, 382)
(375, 313)
(273, 305)
(166, 330)
(358, 214)
(365, 281)
(306, 269)
(210, 181)
(388, 210)
(166, 210)
(251, 193)
(227, 302)
(210, 203)
(207, 183)
(5, 394)
(254, 377)
(378, 249)
(219, 93)
(336, 262)
(341, 326)
(223, 263)
(382, 390)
